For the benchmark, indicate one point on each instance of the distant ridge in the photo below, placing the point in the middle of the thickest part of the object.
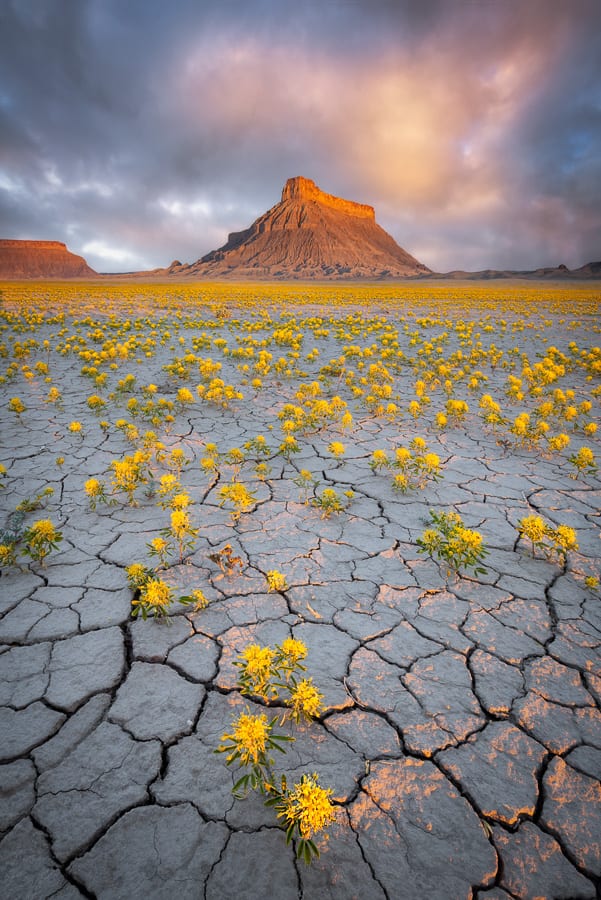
(590, 271)
(41, 259)
(309, 235)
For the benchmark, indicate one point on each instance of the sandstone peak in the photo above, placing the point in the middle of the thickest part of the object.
(304, 189)
(309, 234)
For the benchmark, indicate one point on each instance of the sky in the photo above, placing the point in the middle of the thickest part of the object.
(145, 131)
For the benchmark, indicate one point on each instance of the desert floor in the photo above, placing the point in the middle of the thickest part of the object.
(461, 728)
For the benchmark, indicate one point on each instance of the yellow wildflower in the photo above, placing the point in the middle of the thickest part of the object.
(7, 554)
(564, 538)
(136, 574)
(42, 530)
(157, 593)
(585, 457)
(257, 664)
(16, 405)
(430, 538)
(200, 601)
(159, 545)
(95, 402)
(403, 456)
(180, 501)
(469, 538)
(337, 449)
(305, 700)
(93, 487)
(276, 581)
(180, 523)
(185, 396)
(379, 458)
(559, 442)
(294, 649)
(250, 737)
(400, 482)
(308, 806)
(54, 395)
(533, 527)
(432, 462)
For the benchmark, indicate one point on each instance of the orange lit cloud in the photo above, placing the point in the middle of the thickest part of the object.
(474, 129)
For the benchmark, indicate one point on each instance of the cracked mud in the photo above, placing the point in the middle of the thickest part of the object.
(461, 732)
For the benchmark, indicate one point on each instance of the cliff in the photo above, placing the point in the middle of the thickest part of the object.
(41, 259)
(309, 234)
(303, 189)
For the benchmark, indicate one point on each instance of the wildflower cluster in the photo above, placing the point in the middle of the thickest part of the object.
(552, 541)
(180, 531)
(16, 405)
(218, 393)
(491, 412)
(154, 596)
(35, 541)
(130, 473)
(413, 466)
(241, 499)
(305, 807)
(306, 481)
(448, 539)
(330, 501)
(40, 538)
(95, 491)
(312, 411)
(584, 461)
(528, 430)
(276, 581)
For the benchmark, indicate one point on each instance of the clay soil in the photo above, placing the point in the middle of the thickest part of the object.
(461, 727)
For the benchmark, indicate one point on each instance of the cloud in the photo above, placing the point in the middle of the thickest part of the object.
(473, 127)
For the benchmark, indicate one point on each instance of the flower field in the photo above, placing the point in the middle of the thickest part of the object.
(397, 488)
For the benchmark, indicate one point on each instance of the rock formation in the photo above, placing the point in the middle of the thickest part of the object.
(311, 235)
(41, 259)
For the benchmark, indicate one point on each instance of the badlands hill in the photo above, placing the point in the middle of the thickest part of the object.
(311, 235)
(41, 259)
(589, 272)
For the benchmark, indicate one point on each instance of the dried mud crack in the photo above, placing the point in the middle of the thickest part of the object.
(461, 723)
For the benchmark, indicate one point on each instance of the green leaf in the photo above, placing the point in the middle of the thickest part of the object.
(307, 852)
(240, 789)
(274, 741)
(312, 847)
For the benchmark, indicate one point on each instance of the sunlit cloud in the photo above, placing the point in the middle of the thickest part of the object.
(105, 254)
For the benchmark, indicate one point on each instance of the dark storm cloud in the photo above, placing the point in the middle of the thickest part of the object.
(142, 132)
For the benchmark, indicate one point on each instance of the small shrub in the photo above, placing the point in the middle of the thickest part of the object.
(450, 541)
